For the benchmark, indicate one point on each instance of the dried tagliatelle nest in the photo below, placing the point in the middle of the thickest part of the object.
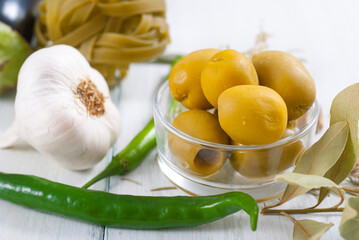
(111, 34)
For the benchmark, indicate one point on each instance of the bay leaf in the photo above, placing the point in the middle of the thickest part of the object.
(320, 157)
(313, 228)
(349, 224)
(345, 107)
(308, 182)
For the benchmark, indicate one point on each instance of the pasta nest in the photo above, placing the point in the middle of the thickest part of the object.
(111, 34)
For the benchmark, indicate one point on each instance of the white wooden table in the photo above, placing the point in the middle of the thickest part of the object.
(324, 33)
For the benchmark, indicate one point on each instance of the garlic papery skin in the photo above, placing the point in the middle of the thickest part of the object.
(63, 108)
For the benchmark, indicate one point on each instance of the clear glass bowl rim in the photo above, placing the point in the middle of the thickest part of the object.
(169, 127)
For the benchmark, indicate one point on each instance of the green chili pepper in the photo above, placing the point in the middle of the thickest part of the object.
(134, 153)
(123, 211)
(131, 156)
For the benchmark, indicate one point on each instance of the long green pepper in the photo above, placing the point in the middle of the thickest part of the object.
(123, 211)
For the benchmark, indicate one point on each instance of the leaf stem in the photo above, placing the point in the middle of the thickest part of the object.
(341, 199)
(351, 190)
(296, 223)
(267, 211)
(163, 188)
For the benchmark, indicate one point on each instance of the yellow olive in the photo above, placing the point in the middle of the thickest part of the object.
(252, 114)
(226, 69)
(286, 75)
(266, 163)
(202, 125)
(185, 79)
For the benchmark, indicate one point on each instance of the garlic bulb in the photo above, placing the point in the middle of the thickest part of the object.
(63, 109)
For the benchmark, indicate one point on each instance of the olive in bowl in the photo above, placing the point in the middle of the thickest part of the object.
(227, 68)
(185, 79)
(266, 163)
(202, 125)
(286, 75)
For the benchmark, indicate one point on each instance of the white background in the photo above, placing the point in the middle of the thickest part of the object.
(325, 34)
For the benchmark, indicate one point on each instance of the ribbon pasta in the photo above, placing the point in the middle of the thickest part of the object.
(111, 34)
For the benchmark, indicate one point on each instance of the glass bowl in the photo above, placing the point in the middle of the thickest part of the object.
(246, 168)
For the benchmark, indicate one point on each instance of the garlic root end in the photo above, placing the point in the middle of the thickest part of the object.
(10, 138)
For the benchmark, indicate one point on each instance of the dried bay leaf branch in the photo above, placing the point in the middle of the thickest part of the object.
(344, 110)
(308, 182)
(345, 107)
(320, 157)
(349, 223)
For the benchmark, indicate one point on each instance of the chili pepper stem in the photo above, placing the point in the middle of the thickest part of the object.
(131, 156)
(110, 170)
